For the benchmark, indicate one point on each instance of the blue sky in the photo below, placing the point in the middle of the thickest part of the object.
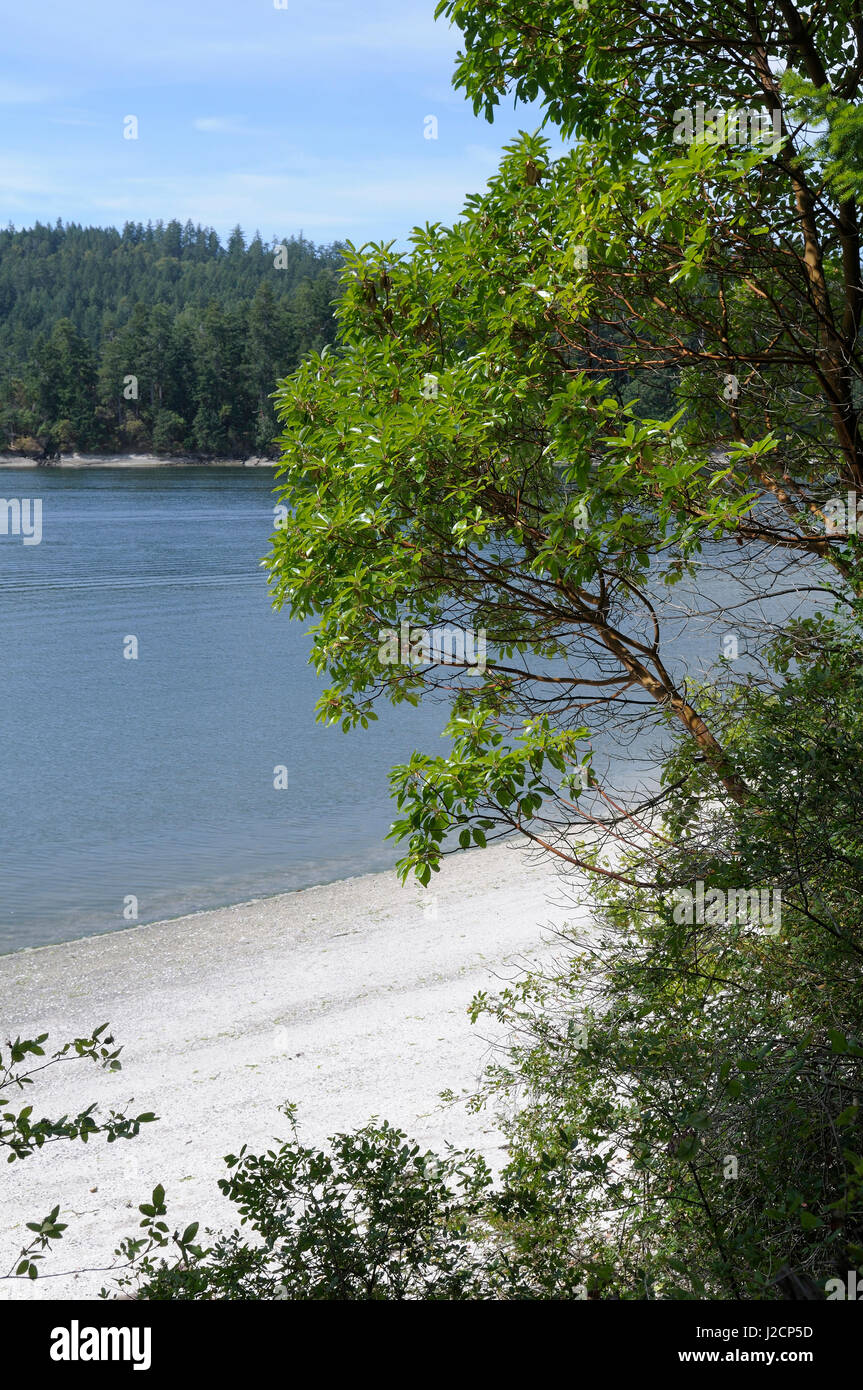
(306, 118)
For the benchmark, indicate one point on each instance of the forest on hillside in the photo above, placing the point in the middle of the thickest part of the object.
(157, 338)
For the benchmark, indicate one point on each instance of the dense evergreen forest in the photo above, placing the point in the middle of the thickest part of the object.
(156, 338)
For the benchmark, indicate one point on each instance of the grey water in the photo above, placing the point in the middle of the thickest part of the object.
(146, 785)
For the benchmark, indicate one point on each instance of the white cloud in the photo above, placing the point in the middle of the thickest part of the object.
(23, 185)
(224, 125)
(74, 118)
(377, 199)
(14, 93)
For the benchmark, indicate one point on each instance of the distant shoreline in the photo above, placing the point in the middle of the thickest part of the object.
(129, 461)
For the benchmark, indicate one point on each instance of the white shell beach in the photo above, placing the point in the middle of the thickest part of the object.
(349, 999)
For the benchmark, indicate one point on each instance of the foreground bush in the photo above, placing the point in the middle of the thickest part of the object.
(685, 1095)
(370, 1218)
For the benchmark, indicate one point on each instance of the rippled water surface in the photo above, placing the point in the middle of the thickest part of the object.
(153, 777)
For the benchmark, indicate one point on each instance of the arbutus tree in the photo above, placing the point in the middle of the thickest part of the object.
(465, 457)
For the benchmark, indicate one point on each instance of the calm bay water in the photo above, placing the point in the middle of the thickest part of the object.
(154, 777)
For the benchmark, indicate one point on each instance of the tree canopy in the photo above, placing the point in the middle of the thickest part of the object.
(464, 453)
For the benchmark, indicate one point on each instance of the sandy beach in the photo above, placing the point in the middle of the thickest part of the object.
(349, 999)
